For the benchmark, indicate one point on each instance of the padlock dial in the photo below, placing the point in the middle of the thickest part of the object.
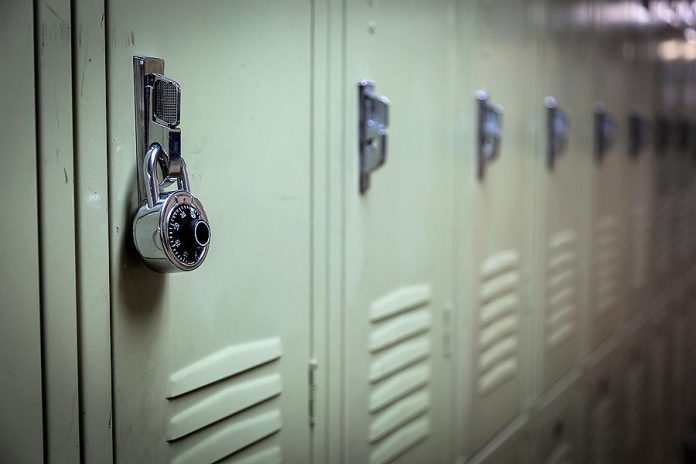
(188, 233)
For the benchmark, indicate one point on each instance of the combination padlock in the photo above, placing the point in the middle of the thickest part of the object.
(170, 228)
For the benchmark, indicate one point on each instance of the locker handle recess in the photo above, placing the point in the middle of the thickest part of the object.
(372, 131)
(558, 125)
(663, 134)
(683, 135)
(605, 131)
(638, 132)
(490, 129)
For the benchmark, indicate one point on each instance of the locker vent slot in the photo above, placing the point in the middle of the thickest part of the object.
(561, 288)
(166, 100)
(399, 372)
(607, 258)
(498, 320)
(226, 402)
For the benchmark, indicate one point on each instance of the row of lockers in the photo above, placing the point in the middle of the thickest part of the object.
(511, 283)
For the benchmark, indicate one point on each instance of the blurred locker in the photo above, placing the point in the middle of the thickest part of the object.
(398, 230)
(494, 88)
(634, 439)
(639, 55)
(688, 223)
(511, 447)
(600, 408)
(555, 428)
(565, 161)
(610, 218)
(681, 396)
(212, 364)
(660, 385)
(669, 70)
(683, 158)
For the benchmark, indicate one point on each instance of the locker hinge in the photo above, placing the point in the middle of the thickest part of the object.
(447, 332)
(313, 366)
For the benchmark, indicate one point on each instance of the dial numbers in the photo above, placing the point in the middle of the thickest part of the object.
(181, 234)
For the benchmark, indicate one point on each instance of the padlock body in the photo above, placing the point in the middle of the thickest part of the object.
(157, 237)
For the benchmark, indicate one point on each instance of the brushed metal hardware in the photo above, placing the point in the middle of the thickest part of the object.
(157, 112)
(558, 125)
(605, 132)
(373, 129)
(170, 228)
(490, 128)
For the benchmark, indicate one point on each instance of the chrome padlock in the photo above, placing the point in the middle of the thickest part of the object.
(170, 229)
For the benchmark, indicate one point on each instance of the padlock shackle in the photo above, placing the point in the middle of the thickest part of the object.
(150, 175)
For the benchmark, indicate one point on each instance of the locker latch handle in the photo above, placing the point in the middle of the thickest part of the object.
(372, 131)
(605, 131)
(490, 129)
(638, 132)
(663, 135)
(683, 135)
(558, 126)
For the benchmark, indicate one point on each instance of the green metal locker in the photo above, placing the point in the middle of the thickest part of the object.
(21, 403)
(493, 194)
(213, 364)
(397, 271)
(565, 169)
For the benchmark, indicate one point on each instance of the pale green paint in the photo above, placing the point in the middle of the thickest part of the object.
(495, 53)
(92, 192)
(57, 232)
(398, 235)
(563, 195)
(555, 431)
(21, 435)
(609, 211)
(269, 129)
(244, 68)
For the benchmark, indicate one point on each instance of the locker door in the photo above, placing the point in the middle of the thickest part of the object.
(668, 107)
(659, 351)
(397, 236)
(510, 449)
(565, 190)
(688, 208)
(212, 364)
(683, 160)
(21, 434)
(688, 223)
(600, 410)
(635, 438)
(609, 225)
(640, 101)
(555, 429)
(493, 212)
